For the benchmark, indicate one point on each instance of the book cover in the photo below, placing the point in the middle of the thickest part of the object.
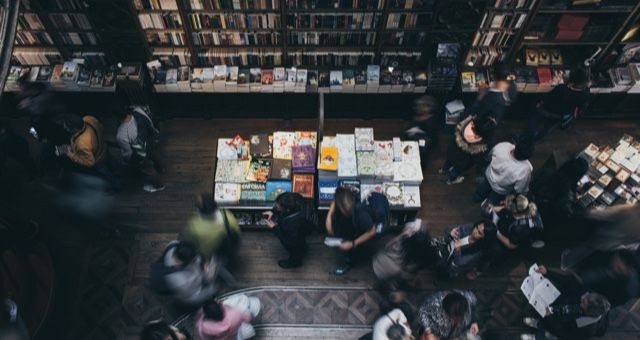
(410, 151)
(335, 79)
(255, 79)
(172, 79)
(226, 192)
(394, 193)
(84, 76)
(197, 79)
(45, 73)
(109, 79)
(366, 163)
(396, 81)
(367, 188)
(408, 81)
(385, 80)
(69, 71)
(411, 196)
(231, 171)
(303, 158)
(373, 78)
(407, 172)
(468, 81)
(231, 81)
(279, 78)
(303, 184)
(259, 170)
(383, 153)
(348, 80)
(351, 184)
(280, 169)
(33, 74)
(312, 81)
(306, 138)
(328, 158)
(364, 139)
(253, 192)
(290, 81)
(323, 82)
(244, 75)
(326, 189)
(282, 143)
(421, 82)
(96, 78)
(275, 188)
(219, 75)
(267, 80)
(301, 80)
(260, 146)
(397, 149)
(56, 74)
(360, 79)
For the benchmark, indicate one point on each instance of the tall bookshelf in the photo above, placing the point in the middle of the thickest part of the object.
(51, 31)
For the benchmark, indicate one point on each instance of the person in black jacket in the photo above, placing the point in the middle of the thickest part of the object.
(492, 102)
(576, 314)
(290, 224)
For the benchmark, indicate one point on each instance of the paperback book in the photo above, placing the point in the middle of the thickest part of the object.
(280, 169)
(275, 188)
(259, 170)
(304, 185)
(282, 143)
(226, 192)
(253, 192)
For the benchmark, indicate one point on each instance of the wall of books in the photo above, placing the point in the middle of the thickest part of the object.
(68, 76)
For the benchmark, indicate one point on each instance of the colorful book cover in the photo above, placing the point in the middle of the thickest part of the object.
(69, 71)
(226, 150)
(411, 195)
(267, 77)
(394, 193)
(259, 170)
(373, 75)
(275, 188)
(45, 73)
(303, 184)
(253, 192)
(306, 138)
(303, 158)
(328, 158)
(280, 169)
(226, 192)
(326, 189)
(109, 79)
(260, 146)
(56, 74)
(282, 143)
(366, 189)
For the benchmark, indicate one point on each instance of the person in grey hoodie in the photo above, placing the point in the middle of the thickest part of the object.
(191, 280)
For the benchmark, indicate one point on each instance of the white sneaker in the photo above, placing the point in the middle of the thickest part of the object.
(531, 322)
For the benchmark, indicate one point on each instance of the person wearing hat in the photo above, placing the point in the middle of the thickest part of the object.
(576, 314)
(509, 171)
(519, 223)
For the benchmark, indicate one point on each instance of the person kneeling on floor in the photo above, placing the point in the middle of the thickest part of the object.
(288, 219)
(229, 319)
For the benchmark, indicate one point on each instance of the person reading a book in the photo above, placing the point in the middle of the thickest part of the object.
(448, 314)
(577, 313)
(467, 249)
(508, 172)
(137, 138)
(289, 223)
(354, 222)
(470, 143)
(562, 105)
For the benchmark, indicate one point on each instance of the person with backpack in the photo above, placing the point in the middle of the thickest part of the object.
(289, 223)
(181, 273)
(213, 230)
(355, 222)
(137, 138)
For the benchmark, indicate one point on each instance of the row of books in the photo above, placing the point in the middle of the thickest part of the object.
(241, 56)
(234, 4)
(613, 176)
(92, 59)
(222, 78)
(330, 59)
(177, 38)
(331, 39)
(69, 76)
(493, 38)
(165, 5)
(408, 20)
(160, 20)
(36, 56)
(58, 5)
(78, 38)
(173, 57)
(409, 4)
(542, 57)
(235, 39)
(256, 193)
(519, 4)
(29, 21)
(405, 38)
(483, 56)
(335, 20)
(333, 4)
(33, 38)
(400, 58)
(399, 195)
(235, 21)
(70, 21)
(500, 20)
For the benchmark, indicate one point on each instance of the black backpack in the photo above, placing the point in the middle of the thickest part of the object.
(159, 271)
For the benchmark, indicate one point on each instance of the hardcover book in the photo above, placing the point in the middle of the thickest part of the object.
(366, 189)
(226, 150)
(303, 158)
(364, 139)
(326, 189)
(290, 82)
(323, 82)
(69, 72)
(184, 84)
(301, 80)
(408, 81)
(306, 138)
(219, 77)
(253, 192)
(226, 192)
(360, 78)
(255, 79)
(373, 78)
(260, 146)
(411, 196)
(279, 78)
(282, 143)
(231, 171)
(231, 81)
(407, 172)
(410, 151)
(259, 170)
(383, 154)
(275, 188)
(352, 184)
(366, 163)
(328, 158)
(312, 81)
(244, 76)
(348, 80)
(394, 193)
(267, 80)
(303, 184)
(280, 169)
(335, 81)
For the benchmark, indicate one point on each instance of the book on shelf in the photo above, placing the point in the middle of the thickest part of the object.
(183, 81)
(411, 196)
(323, 82)
(306, 138)
(303, 158)
(394, 193)
(328, 159)
(279, 78)
(290, 80)
(253, 192)
(366, 164)
(231, 171)
(383, 153)
(364, 140)
(301, 80)
(233, 148)
(335, 81)
(84, 76)
(385, 80)
(396, 81)
(304, 185)
(171, 82)
(276, 188)
(420, 82)
(282, 143)
(408, 81)
(280, 169)
(407, 172)
(348, 164)
(373, 78)
(571, 27)
(348, 80)
(360, 79)
(367, 188)
(259, 170)
(44, 74)
(197, 79)
(255, 79)
(231, 80)
(226, 192)
(267, 80)
(352, 184)
(260, 146)
(468, 81)
(312, 81)
(326, 189)
(244, 77)
(219, 77)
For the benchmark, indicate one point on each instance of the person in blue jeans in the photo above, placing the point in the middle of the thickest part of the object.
(471, 142)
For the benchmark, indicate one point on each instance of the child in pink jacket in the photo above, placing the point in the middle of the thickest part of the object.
(227, 320)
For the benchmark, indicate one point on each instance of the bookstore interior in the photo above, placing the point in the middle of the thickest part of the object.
(329, 59)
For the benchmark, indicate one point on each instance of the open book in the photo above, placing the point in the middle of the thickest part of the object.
(540, 292)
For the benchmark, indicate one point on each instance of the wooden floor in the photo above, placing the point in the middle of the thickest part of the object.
(111, 300)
